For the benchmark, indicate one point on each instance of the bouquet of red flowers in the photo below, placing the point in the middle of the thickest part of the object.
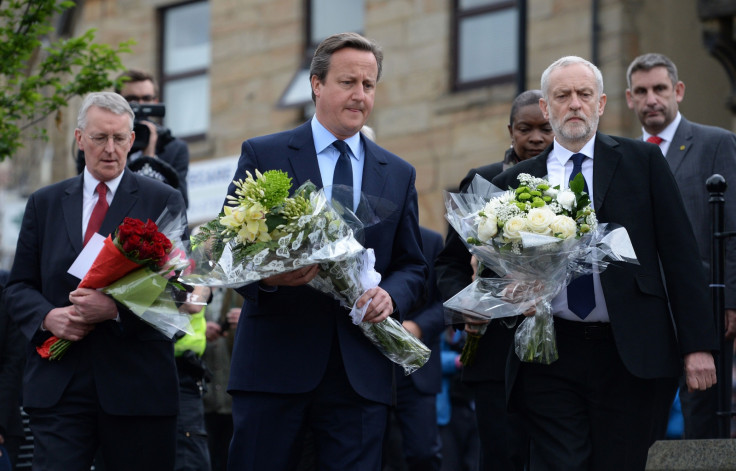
(135, 267)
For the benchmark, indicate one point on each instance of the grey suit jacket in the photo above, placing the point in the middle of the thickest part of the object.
(695, 153)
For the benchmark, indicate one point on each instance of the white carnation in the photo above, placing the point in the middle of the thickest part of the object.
(487, 228)
(566, 198)
(513, 227)
(551, 192)
(539, 219)
(563, 227)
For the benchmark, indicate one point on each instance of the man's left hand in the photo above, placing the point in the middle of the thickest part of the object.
(730, 324)
(93, 306)
(700, 371)
(381, 305)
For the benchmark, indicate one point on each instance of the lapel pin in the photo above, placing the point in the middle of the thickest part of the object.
(682, 147)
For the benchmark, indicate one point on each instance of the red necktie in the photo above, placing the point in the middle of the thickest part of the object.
(655, 140)
(98, 213)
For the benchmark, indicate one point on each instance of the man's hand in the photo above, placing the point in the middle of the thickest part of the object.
(93, 306)
(473, 325)
(233, 316)
(700, 371)
(66, 323)
(413, 328)
(381, 305)
(730, 324)
(199, 298)
(150, 149)
(212, 331)
(297, 277)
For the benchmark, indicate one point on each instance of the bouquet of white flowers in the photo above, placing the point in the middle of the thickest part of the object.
(536, 238)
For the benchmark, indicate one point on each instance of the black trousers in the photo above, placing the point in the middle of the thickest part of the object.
(585, 411)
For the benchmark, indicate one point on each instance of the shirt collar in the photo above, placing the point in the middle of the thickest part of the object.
(90, 183)
(324, 139)
(563, 155)
(667, 133)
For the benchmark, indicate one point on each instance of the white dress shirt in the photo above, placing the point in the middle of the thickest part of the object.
(559, 168)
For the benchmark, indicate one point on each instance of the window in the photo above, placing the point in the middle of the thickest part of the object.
(324, 17)
(185, 82)
(488, 42)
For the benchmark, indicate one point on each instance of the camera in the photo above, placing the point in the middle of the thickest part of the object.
(142, 134)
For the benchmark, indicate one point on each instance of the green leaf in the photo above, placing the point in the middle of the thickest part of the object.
(577, 185)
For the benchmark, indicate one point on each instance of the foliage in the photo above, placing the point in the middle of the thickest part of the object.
(39, 77)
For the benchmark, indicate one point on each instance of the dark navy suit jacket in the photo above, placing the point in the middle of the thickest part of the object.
(283, 342)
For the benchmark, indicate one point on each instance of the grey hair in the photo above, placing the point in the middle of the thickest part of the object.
(109, 101)
(649, 61)
(323, 55)
(567, 61)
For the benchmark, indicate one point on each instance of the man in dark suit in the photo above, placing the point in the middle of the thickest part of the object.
(600, 405)
(416, 404)
(298, 361)
(694, 152)
(116, 386)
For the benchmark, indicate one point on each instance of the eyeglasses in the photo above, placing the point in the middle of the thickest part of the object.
(139, 99)
(120, 140)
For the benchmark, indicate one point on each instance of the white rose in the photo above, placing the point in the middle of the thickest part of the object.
(566, 198)
(563, 227)
(513, 227)
(539, 219)
(488, 228)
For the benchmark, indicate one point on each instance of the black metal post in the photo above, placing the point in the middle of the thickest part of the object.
(716, 186)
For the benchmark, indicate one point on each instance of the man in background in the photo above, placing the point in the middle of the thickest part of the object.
(694, 152)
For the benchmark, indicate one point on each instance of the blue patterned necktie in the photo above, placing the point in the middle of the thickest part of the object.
(343, 175)
(580, 292)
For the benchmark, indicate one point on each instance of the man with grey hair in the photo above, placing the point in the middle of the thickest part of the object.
(694, 152)
(115, 388)
(600, 405)
(298, 363)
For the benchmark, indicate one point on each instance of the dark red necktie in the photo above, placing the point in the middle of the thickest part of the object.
(655, 140)
(98, 213)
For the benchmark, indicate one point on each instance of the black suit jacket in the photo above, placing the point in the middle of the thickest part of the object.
(133, 364)
(284, 338)
(633, 187)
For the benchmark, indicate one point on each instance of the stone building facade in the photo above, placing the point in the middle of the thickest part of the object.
(257, 47)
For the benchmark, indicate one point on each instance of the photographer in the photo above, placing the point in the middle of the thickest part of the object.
(153, 141)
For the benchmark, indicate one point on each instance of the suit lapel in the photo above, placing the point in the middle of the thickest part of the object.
(125, 198)
(374, 169)
(302, 156)
(605, 162)
(680, 145)
(71, 205)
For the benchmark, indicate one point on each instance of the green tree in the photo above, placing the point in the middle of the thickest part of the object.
(38, 77)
